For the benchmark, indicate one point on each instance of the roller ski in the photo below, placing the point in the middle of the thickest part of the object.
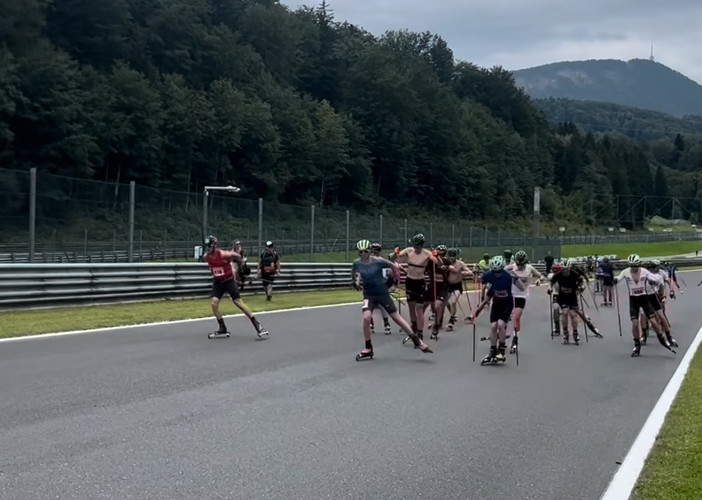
(515, 343)
(637, 349)
(220, 333)
(593, 328)
(566, 338)
(260, 331)
(451, 323)
(434, 334)
(364, 354)
(418, 341)
(644, 336)
(387, 327)
(494, 357)
(420, 336)
(665, 343)
(671, 340)
(576, 338)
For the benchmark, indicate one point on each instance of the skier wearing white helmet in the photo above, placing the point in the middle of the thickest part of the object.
(638, 280)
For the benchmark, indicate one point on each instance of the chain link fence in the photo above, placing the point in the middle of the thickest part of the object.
(51, 218)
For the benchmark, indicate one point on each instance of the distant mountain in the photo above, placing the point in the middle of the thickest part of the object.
(639, 124)
(639, 83)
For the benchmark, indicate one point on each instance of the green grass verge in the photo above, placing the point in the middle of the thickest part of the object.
(673, 469)
(21, 323)
(661, 248)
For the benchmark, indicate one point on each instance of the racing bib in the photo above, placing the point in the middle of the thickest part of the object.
(218, 271)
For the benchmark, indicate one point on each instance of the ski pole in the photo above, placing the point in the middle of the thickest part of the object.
(583, 318)
(619, 316)
(473, 342)
(550, 311)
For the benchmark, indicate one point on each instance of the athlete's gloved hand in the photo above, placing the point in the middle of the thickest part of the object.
(549, 291)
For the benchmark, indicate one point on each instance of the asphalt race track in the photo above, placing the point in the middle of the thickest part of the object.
(161, 412)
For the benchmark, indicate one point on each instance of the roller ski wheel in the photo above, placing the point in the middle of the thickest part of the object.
(218, 335)
(556, 333)
(566, 340)
(263, 334)
(387, 330)
(515, 343)
(405, 340)
(449, 327)
(364, 354)
(672, 341)
(636, 352)
(434, 336)
(576, 339)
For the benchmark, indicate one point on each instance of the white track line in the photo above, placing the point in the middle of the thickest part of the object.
(624, 481)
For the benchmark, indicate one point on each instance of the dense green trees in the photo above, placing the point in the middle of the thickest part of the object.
(300, 108)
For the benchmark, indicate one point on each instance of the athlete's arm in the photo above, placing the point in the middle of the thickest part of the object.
(519, 283)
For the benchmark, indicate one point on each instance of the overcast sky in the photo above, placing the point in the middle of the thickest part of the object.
(517, 34)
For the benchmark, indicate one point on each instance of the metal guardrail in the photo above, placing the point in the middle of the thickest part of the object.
(52, 285)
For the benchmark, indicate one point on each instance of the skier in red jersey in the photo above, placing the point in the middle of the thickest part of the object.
(223, 281)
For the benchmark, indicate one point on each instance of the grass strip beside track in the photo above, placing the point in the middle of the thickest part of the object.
(22, 323)
(674, 467)
(656, 249)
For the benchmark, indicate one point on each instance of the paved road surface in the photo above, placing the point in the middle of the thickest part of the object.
(162, 413)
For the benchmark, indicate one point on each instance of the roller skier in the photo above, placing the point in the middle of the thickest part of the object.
(367, 274)
(499, 290)
(555, 308)
(417, 258)
(656, 294)
(376, 248)
(571, 282)
(524, 273)
(221, 266)
(458, 271)
(638, 280)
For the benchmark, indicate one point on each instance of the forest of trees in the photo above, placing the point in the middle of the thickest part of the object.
(297, 107)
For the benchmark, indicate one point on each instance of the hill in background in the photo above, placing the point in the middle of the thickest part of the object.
(639, 83)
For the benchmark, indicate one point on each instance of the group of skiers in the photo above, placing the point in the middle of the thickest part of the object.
(435, 279)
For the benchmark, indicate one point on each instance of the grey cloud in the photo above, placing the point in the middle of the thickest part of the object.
(490, 32)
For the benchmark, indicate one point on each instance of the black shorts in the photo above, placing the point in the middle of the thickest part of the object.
(568, 301)
(519, 302)
(219, 288)
(435, 291)
(642, 302)
(453, 287)
(372, 302)
(267, 279)
(655, 302)
(415, 290)
(607, 280)
(501, 309)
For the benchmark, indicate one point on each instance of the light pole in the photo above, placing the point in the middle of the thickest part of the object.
(205, 198)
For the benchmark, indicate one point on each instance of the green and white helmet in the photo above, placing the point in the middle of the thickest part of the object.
(363, 245)
(442, 249)
(656, 263)
(497, 263)
(634, 260)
